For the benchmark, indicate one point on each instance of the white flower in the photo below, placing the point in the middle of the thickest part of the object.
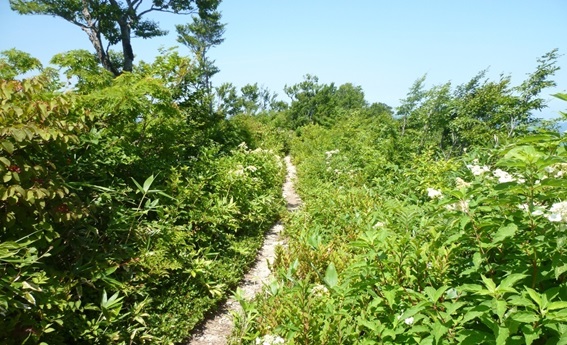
(251, 168)
(434, 193)
(409, 321)
(319, 290)
(477, 169)
(558, 212)
(554, 217)
(524, 207)
(329, 154)
(503, 176)
(379, 224)
(462, 205)
(269, 340)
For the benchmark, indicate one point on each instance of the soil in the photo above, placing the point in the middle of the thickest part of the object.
(217, 329)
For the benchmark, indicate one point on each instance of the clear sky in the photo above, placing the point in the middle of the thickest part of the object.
(380, 45)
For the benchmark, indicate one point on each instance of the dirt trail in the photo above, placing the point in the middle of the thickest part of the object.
(216, 330)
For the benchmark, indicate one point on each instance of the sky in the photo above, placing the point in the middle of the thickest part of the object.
(382, 46)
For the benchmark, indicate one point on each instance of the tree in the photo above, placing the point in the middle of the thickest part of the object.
(350, 97)
(111, 22)
(200, 36)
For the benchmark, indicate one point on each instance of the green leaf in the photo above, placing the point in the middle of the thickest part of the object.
(331, 275)
(502, 335)
(504, 232)
(525, 317)
(511, 280)
(489, 283)
(438, 331)
(559, 270)
(148, 183)
(557, 305)
(8, 146)
(535, 297)
(19, 134)
(499, 307)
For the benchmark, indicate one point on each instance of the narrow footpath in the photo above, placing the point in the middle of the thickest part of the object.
(216, 330)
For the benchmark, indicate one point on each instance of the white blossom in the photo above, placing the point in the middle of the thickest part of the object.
(477, 169)
(554, 217)
(379, 224)
(462, 205)
(558, 212)
(329, 154)
(434, 193)
(319, 290)
(409, 321)
(503, 176)
(269, 339)
(251, 168)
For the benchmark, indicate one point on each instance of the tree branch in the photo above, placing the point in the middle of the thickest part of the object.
(161, 9)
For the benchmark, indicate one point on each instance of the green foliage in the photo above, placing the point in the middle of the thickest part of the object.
(116, 22)
(398, 247)
(475, 113)
(123, 220)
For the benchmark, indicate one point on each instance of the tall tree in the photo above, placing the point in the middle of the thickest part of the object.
(200, 36)
(111, 22)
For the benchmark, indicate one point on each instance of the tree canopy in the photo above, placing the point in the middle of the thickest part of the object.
(111, 22)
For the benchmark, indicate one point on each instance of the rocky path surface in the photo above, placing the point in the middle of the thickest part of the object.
(216, 330)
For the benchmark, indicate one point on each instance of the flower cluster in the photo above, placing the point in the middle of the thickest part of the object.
(434, 193)
(557, 170)
(558, 212)
(504, 177)
(319, 290)
(476, 169)
(269, 339)
(330, 154)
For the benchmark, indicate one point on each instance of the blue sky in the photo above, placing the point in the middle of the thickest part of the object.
(382, 46)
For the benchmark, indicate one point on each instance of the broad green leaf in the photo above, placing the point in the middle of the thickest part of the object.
(499, 307)
(502, 335)
(504, 232)
(19, 134)
(489, 283)
(557, 305)
(525, 317)
(331, 276)
(148, 183)
(438, 331)
(511, 280)
(8, 146)
(535, 297)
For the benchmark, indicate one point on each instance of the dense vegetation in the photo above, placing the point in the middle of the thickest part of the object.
(126, 214)
(135, 196)
(443, 224)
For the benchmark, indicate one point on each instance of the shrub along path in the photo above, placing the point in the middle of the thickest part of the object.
(217, 329)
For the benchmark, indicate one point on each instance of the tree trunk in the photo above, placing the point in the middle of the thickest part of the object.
(96, 40)
(127, 51)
